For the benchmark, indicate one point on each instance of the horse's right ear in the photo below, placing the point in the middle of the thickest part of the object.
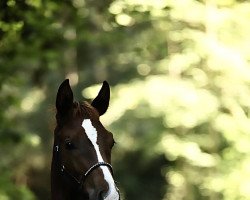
(64, 98)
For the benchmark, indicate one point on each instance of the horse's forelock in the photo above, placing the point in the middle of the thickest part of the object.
(85, 110)
(82, 110)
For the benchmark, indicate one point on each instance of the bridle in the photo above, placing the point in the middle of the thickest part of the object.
(80, 181)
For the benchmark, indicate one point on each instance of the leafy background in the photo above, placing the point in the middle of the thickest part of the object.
(180, 77)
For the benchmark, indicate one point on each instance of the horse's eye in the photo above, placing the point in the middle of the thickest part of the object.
(69, 145)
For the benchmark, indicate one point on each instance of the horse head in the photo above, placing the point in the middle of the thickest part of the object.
(81, 164)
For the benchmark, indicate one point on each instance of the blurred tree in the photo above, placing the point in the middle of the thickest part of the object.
(180, 80)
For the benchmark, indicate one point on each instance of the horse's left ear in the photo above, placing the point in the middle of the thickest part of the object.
(101, 102)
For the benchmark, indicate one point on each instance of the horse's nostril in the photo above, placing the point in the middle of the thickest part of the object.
(102, 194)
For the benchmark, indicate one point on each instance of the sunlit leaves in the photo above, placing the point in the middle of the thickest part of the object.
(179, 71)
(30, 102)
(204, 91)
(179, 101)
(124, 20)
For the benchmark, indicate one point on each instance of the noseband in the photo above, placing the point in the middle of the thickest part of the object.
(83, 177)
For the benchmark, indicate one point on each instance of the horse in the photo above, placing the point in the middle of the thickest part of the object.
(81, 162)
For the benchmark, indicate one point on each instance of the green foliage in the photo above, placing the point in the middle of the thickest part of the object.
(11, 191)
(180, 80)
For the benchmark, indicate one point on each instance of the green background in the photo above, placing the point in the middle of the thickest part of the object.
(180, 79)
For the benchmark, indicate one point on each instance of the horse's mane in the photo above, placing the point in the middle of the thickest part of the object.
(82, 110)
(85, 110)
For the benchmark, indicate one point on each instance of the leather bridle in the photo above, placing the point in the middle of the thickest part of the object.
(84, 175)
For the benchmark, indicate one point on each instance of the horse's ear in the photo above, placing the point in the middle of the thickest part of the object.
(64, 98)
(101, 102)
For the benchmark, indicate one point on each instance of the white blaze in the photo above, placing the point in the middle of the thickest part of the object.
(92, 135)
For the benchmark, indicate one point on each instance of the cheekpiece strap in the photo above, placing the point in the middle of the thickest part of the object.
(84, 176)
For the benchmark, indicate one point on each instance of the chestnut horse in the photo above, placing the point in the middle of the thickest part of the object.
(81, 164)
